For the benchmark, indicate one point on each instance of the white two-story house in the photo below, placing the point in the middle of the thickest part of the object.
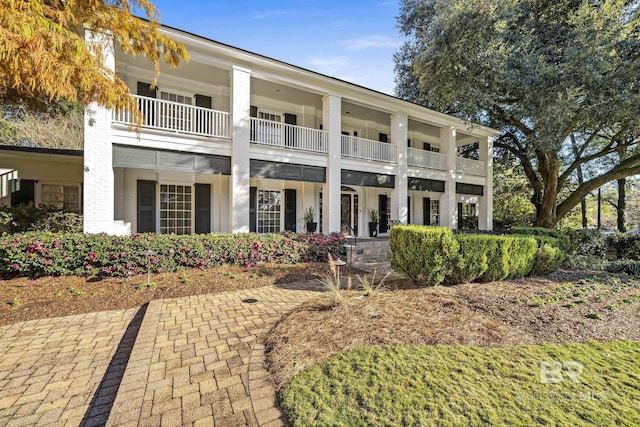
(237, 142)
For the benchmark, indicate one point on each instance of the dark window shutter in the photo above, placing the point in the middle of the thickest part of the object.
(203, 101)
(144, 89)
(147, 108)
(253, 111)
(320, 126)
(382, 208)
(203, 208)
(253, 215)
(24, 192)
(383, 137)
(426, 146)
(459, 215)
(355, 133)
(290, 134)
(202, 122)
(146, 206)
(408, 210)
(426, 211)
(290, 217)
(408, 142)
(344, 132)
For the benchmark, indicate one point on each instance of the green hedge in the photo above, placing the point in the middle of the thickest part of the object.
(434, 255)
(561, 241)
(49, 254)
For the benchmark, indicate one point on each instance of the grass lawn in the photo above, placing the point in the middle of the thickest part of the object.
(466, 385)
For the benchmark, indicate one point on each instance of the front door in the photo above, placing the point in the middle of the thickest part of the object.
(345, 213)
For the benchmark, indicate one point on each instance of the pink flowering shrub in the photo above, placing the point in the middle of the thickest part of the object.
(44, 254)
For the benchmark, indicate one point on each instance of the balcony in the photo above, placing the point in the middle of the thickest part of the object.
(276, 134)
(471, 167)
(426, 159)
(179, 118)
(368, 149)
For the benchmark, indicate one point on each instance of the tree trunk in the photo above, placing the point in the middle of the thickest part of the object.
(622, 204)
(583, 201)
(546, 211)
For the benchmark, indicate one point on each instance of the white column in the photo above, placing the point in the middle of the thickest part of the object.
(485, 221)
(239, 182)
(98, 203)
(399, 135)
(448, 205)
(331, 120)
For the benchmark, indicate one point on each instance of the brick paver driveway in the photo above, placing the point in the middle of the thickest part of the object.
(186, 361)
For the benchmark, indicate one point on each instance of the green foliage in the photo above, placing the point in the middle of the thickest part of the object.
(19, 219)
(539, 72)
(434, 255)
(563, 241)
(423, 253)
(512, 205)
(625, 246)
(49, 254)
(548, 259)
(472, 260)
(467, 386)
(588, 242)
(628, 266)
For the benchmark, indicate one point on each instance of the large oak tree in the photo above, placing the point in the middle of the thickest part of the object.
(44, 58)
(540, 71)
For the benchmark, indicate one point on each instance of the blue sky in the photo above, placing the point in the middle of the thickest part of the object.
(350, 40)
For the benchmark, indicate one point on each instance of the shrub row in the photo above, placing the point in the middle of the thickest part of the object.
(44, 254)
(435, 255)
(546, 235)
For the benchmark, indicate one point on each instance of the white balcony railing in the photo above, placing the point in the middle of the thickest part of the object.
(471, 167)
(368, 149)
(181, 118)
(426, 159)
(266, 132)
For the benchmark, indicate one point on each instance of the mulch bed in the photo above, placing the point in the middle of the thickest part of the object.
(482, 314)
(27, 298)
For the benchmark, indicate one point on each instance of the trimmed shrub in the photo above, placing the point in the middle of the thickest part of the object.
(425, 254)
(561, 239)
(522, 253)
(547, 260)
(43, 254)
(471, 261)
(433, 255)
(588, 242)
(23, 218)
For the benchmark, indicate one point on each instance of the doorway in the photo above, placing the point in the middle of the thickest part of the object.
(349, 211)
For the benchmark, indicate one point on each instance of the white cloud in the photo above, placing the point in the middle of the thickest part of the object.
(270, 13)
(372, 42)
(329, 62)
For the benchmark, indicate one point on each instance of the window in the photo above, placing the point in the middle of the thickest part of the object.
(175, 209)
(174, 116)
(269, 203)
(469, 209)
(435, 212)
(269, 133)
(60, 196)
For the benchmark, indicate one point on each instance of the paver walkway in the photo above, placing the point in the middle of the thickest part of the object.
(189, 361)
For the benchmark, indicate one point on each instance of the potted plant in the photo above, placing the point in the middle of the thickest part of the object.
(374, 219)
(309, 219)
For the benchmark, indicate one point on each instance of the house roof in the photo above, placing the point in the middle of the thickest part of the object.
(342, 85)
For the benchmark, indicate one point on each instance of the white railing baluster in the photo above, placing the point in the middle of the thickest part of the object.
(368, 149)
(471, 167)
(266, 132)
(176, 117)
(426, 159)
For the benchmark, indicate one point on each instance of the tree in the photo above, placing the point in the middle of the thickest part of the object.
(539, 71)
(44, 57)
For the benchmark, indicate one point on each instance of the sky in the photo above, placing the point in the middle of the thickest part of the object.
(351, 40)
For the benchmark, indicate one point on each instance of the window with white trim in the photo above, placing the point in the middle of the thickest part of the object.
(268, 212)
(175, 116)
(269, 133)
(175, 209)
(435, 212)
(60, 196)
